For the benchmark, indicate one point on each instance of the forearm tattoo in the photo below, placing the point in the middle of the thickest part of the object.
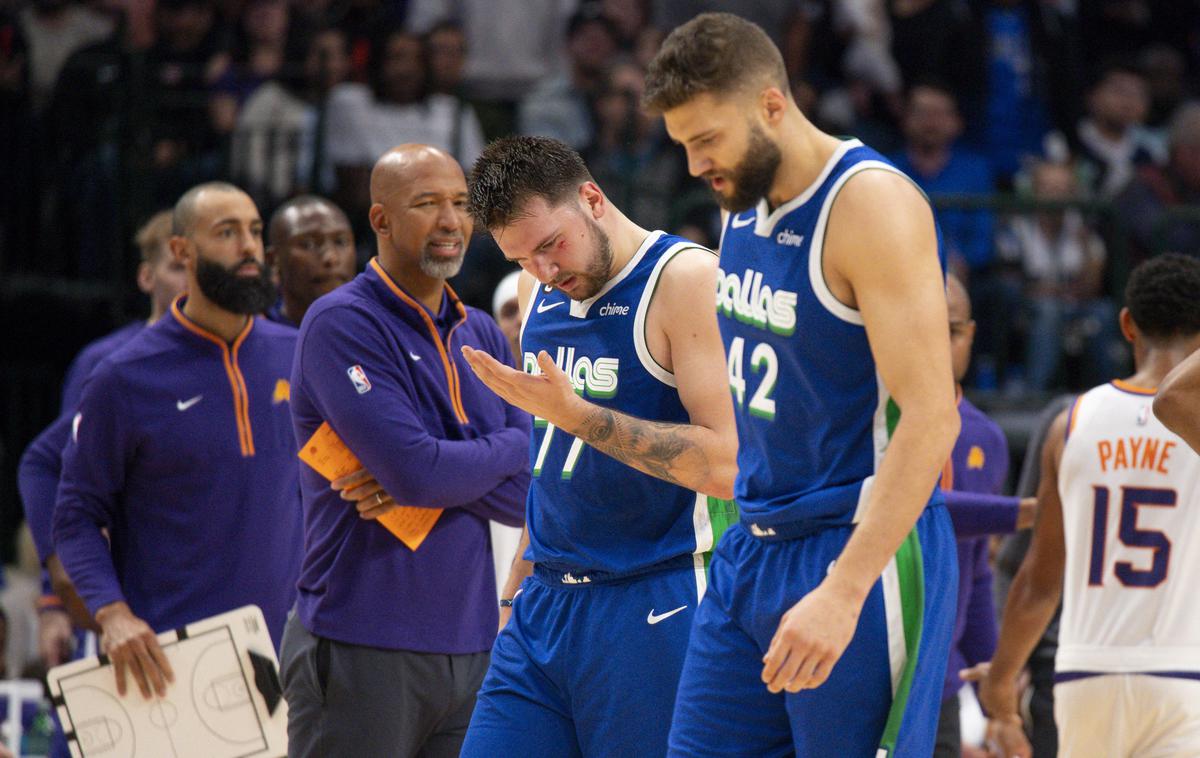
(662, 450)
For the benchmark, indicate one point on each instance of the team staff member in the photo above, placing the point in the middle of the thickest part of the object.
(163, 279)
(310, 251)
(389, 645)
(182, 450)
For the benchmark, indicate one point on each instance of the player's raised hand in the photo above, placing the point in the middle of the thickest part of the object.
(131, 645)
(811, 637)
(549, 395)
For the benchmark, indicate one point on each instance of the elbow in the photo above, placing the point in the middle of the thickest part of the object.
(723, 472)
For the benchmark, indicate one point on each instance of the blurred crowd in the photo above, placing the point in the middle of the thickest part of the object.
(1077, 113)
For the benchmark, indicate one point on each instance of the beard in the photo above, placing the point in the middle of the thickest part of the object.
(234, 292)
(599, 270)
(440, 268)
(754, 174)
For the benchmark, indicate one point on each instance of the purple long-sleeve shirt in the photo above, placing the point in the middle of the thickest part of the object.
(978, 470)
(389, 377)
(182, 448)
(41, 463)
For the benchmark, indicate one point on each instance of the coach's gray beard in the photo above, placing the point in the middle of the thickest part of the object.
(436, 269)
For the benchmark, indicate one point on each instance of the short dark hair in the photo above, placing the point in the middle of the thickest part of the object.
(1161, 296)
(275, 226)
(714, 52)
(512, 171)
(184, 213)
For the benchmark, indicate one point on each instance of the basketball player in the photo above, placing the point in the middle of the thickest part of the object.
(1177, 404)
(827, 623)
(625, 372)
(1116, 538)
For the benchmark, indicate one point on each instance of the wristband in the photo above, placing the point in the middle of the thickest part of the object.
(506, 602)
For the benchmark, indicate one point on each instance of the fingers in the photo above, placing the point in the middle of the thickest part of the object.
(352, 480)
(160, 658)
(375, 511)
(363, 492)
(976, 673)
(146, 672)
(119, 669)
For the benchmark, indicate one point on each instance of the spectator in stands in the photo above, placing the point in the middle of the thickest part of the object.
(1062, 260)
(18, 206)
(559, 106)
(364, 122)
(278, 147)
(1112, 140)
(446, 46)
(53, 29)
(939, 39)
(507, 312)
(260, 55)
(513, 44)
(1033, 75)
(942, 166)
(187, 58)
(1146, 205)
(630, 156)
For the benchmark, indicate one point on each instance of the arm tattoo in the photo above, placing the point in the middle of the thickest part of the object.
(657, 448)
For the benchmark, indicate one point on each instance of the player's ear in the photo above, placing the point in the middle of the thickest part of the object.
(773, 104)
(1129, 327)
(180, 249)
(380, 223)
(145, 277)
(592, 199)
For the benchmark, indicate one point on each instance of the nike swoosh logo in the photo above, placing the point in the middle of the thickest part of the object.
(651, 619)
(414, 356)
(738, 223)
(183, 405)
(542, 307)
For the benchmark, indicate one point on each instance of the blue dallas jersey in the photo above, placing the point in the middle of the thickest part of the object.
(813, 416)
(588, 512)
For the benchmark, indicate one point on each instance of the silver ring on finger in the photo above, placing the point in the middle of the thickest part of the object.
(378, 498)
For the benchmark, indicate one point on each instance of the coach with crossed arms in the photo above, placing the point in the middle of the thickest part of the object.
(391, 637)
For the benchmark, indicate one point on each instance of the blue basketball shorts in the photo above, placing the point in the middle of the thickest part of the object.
(883, 696)
(587, 666)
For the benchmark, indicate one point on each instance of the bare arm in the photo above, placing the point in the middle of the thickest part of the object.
(885, 265)
(1177, 404)
(899, 292)
(701, 455)
(1035, 591)
(518, 573)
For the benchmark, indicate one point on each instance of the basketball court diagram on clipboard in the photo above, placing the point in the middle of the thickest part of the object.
(225, 701)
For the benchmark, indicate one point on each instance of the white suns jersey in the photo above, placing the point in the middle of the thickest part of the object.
(1130, 492)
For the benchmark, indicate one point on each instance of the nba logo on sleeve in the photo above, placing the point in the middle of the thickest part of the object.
(359, 377)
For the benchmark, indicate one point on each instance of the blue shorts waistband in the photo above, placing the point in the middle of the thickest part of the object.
(558, 576)
(794, 530)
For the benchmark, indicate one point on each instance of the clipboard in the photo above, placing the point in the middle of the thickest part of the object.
(328, 456)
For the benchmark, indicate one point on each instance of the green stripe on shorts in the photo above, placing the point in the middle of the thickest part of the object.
(910, 570)
(722, 514)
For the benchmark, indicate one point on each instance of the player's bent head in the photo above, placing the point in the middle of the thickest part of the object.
(513, 171)
(1161, 297)
(718, 54)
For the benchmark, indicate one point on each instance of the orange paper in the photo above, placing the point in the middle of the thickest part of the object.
(330, 458)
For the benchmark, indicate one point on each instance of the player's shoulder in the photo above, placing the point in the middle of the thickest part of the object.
(274, 330)
(347, 306)
(982, 427)
(100, 347)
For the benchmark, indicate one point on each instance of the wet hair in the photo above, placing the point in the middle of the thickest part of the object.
(717, 53)
(1162, 296)
(514, 170)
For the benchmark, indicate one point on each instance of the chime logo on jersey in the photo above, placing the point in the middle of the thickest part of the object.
(748, 300)
(595, 376)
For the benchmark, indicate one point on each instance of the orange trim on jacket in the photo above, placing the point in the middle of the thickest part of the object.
(452, 380)
(237, 382)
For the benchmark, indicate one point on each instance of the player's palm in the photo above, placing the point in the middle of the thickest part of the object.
(810, 639)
